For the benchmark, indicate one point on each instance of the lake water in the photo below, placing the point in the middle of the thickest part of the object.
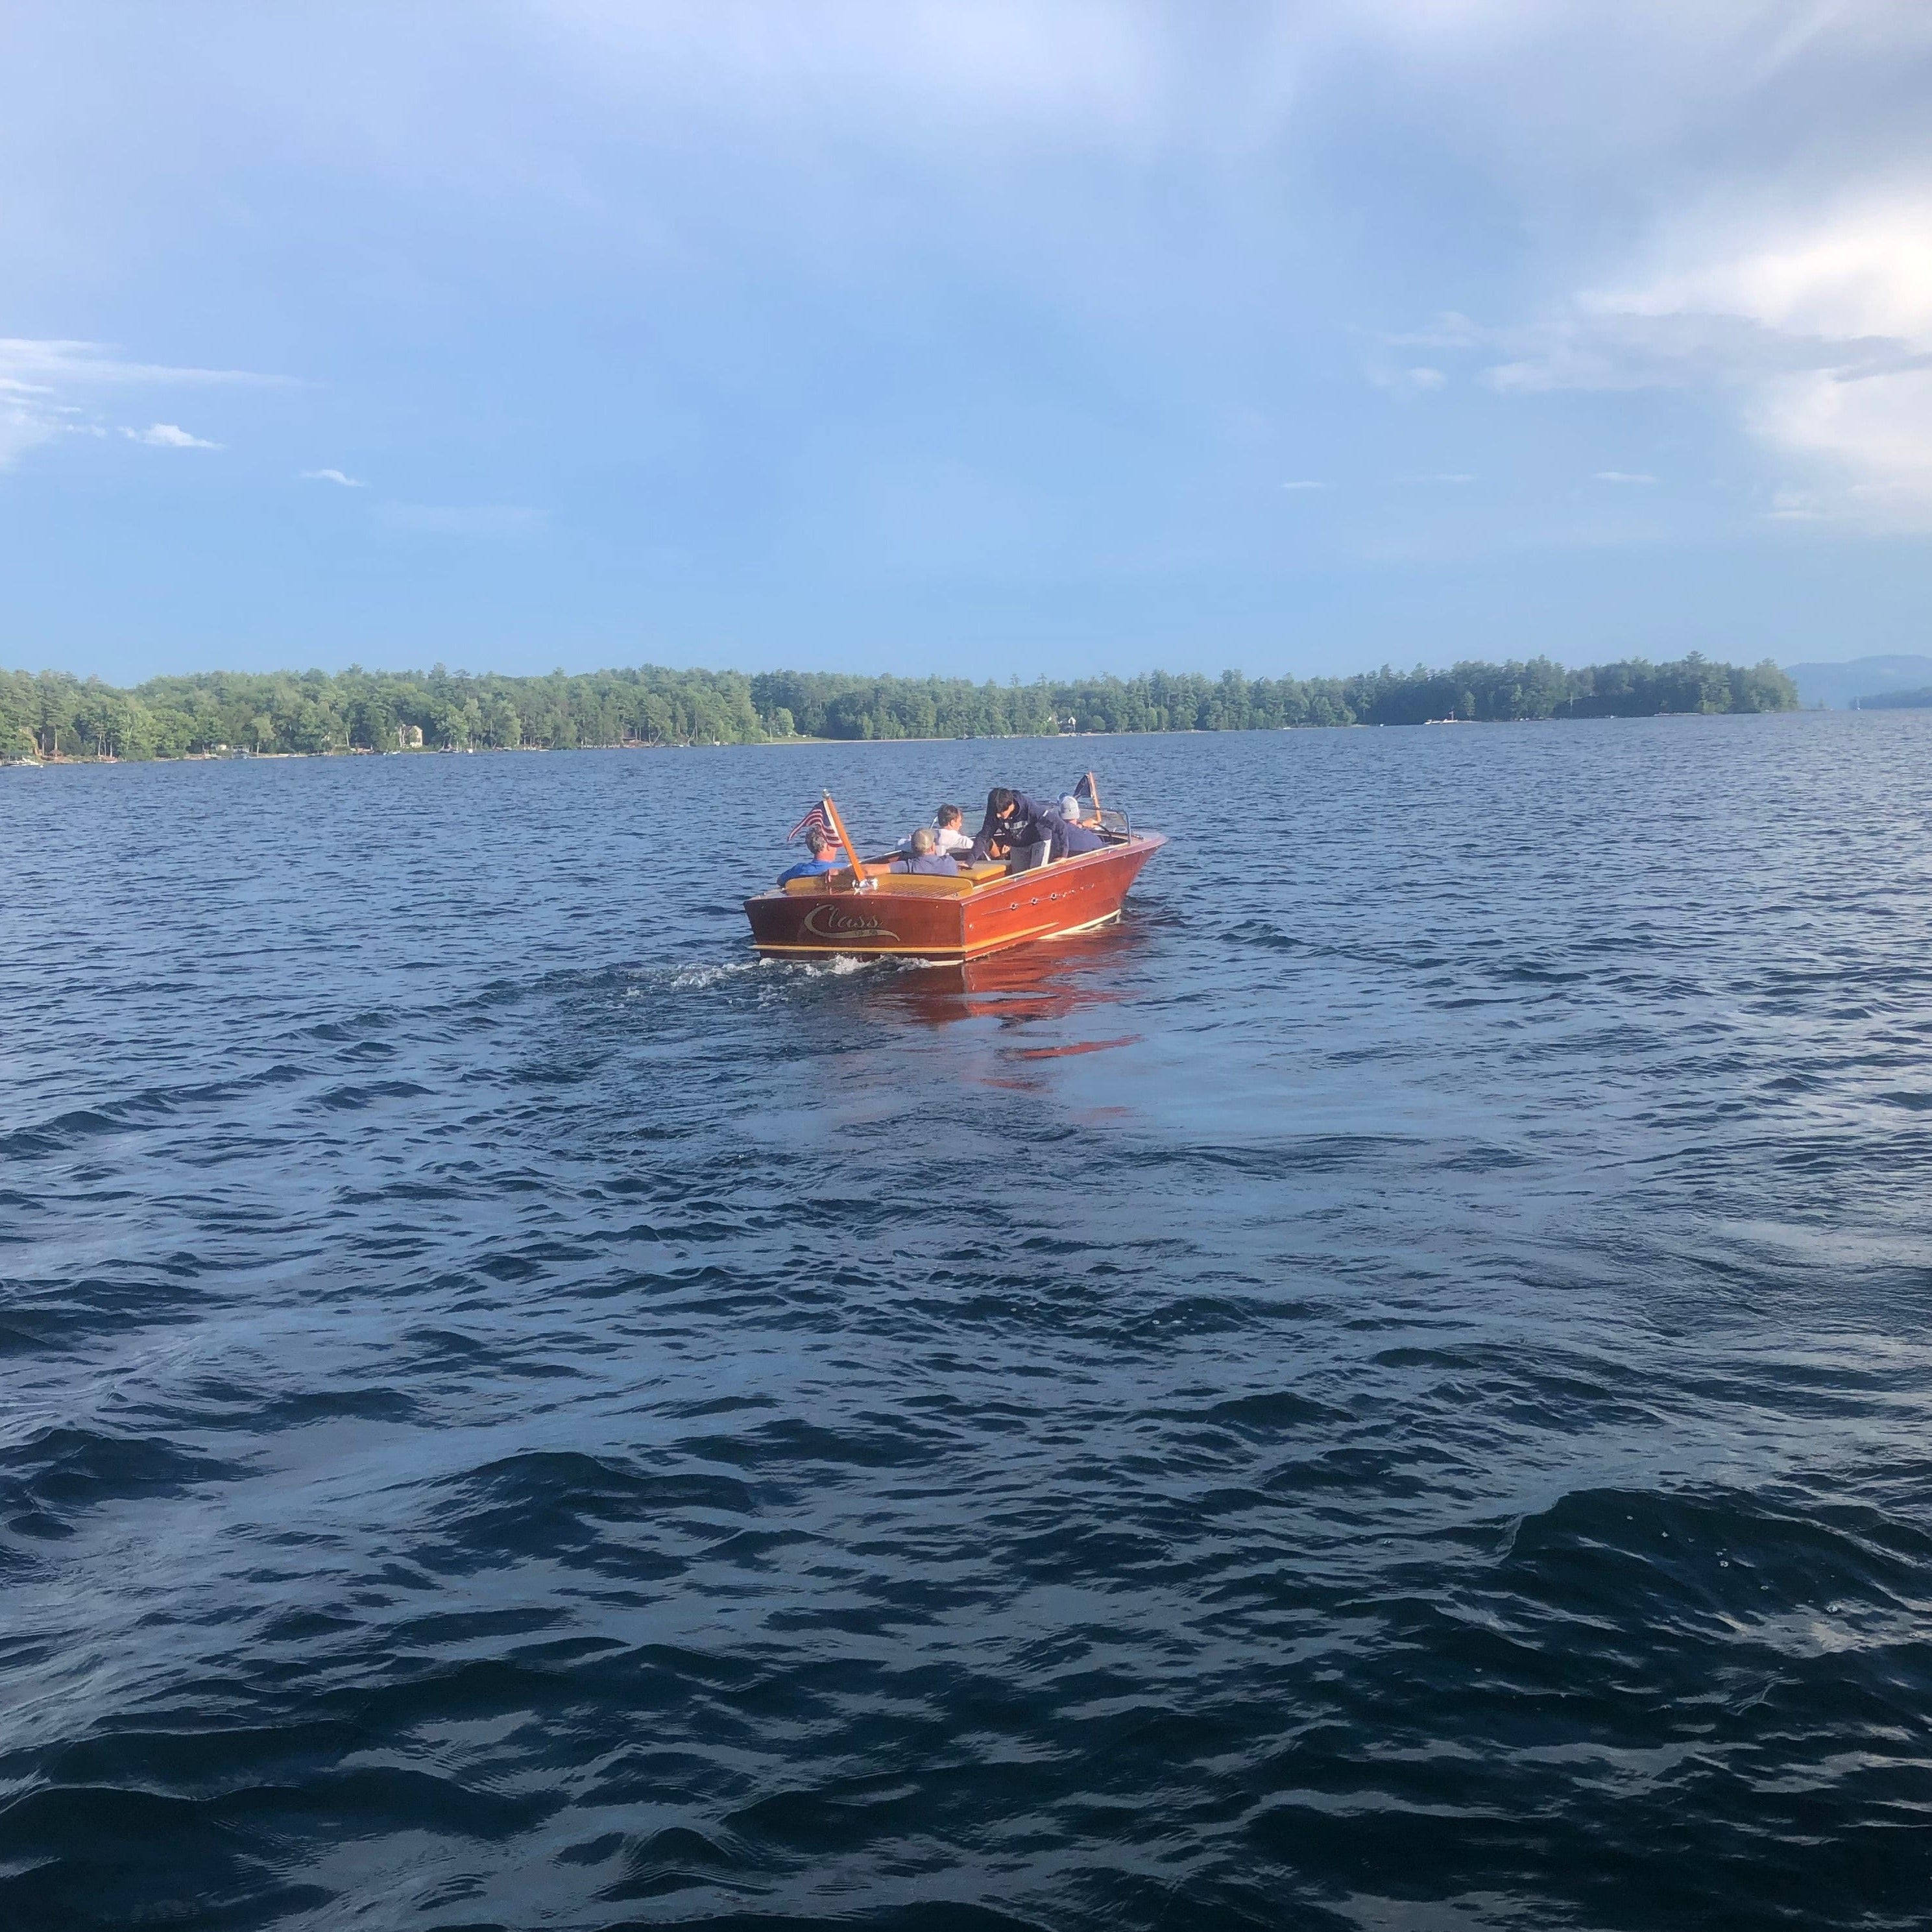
(1392, 1390)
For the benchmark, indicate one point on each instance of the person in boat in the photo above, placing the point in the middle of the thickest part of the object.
(1017, 828)
(1027, 833)
(953, 837)
(949, 836)
(824, 858)
(925, 857)
(1076, 838)
(1081, 808)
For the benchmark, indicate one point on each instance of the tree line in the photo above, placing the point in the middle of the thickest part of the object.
(51, 714)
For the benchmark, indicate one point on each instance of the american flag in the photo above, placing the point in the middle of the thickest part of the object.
(816, 816)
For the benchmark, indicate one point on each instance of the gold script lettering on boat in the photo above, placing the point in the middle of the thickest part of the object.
(832, 922)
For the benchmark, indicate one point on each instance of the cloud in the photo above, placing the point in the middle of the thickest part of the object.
(168, 436)
(1586, 346)
(40, 378)
(1408, 383)
(475, 519)
(23, 423)
(1623, 476)
(70, 364)
(1105, 172)
(1732, 201)
(1084, 71)
(1304, 483)
(334, 476)
(1815, 330)
(1859, 273)
(1855, 289)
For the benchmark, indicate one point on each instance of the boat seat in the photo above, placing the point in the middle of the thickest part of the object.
(930, 885)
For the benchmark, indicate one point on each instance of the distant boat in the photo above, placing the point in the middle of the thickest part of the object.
(986, 909)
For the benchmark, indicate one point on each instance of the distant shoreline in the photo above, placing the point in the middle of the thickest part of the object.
(56, 717)
(806, 744)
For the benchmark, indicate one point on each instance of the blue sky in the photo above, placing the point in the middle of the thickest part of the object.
(998, 339)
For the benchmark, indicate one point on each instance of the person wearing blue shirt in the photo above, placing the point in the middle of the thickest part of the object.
(926, 858)
(822, 860)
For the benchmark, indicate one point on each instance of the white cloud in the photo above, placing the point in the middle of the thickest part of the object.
(1537, 79)
(1854, 273)
(1853, 287)
(21, 426)
(334, 476)
(1816, 331)
(1624, 476)
(1407, 383)
(168, 436)
(1081, 71)
(1305, 483)
(1733, 200)
(39, 378)
(66, 364)
(1844, 300)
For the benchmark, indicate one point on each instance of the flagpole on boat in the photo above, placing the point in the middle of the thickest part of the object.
(858, 872)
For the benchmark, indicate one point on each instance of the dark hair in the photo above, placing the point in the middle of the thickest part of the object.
(947, 814)
(998, 800)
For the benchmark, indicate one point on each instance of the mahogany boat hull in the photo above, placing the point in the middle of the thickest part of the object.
(901, 918)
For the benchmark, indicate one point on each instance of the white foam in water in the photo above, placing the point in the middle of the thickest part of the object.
(839, 963)
(697, 978)
(701, 976)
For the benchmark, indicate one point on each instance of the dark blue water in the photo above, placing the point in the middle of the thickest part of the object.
(1391, 1391)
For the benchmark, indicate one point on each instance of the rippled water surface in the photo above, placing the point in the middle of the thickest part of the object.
(1392, 1390)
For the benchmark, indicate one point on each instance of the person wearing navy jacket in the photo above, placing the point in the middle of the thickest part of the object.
(1027, 832)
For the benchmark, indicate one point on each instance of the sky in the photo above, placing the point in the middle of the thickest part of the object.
(980, 338)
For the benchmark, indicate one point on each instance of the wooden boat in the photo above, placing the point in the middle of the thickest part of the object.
(863, 909)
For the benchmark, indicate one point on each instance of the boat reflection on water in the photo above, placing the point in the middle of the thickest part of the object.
(1053, 980)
